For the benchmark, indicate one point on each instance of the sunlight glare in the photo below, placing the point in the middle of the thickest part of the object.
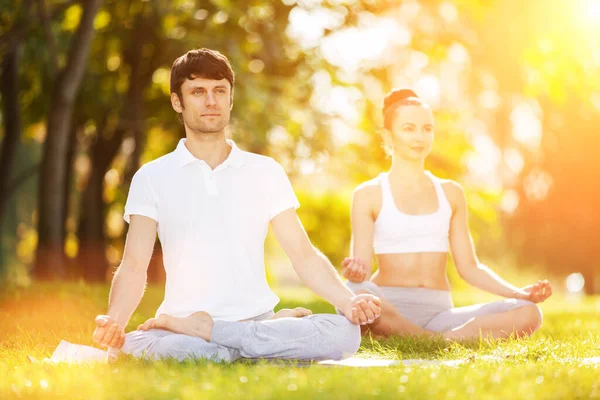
(429, 88)
(575, 282)
(510, 201)
(307, 26)
(592, 10)
(527, 127)
(352, 48)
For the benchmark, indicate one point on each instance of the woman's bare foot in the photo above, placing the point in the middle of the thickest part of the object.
(297, 312)
(199, 324)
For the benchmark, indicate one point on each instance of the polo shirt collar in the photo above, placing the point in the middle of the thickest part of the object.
(184, 157)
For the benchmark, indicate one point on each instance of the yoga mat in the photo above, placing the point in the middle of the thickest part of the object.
(80, 354)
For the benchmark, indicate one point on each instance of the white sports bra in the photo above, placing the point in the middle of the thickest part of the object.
(397, 232)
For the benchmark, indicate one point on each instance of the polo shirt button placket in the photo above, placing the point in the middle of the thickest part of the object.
(209, 179)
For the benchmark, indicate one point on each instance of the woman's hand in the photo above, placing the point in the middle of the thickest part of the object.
(536, 292)
(354, 269)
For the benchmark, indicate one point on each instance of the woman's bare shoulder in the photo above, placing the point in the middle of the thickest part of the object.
(367, 188)
(454, 192)
(368, 194)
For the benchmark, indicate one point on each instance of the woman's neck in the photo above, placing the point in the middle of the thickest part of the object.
(409, 172)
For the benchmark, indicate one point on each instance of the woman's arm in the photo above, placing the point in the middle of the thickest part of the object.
(357, 267)
(467, 264)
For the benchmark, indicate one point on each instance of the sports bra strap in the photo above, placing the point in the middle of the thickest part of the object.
(386, 191)
(441, 195)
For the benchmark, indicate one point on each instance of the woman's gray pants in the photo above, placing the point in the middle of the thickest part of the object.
(433, 309)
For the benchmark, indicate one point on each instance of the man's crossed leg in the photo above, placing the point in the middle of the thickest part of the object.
(287, 336)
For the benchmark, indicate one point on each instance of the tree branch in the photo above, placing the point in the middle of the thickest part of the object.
(19, 30)
(70, 77)
(21, 179)
(50, 39)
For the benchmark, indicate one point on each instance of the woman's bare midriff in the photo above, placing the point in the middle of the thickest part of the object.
(424, 270)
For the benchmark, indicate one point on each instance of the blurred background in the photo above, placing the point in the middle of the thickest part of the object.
(515, 88)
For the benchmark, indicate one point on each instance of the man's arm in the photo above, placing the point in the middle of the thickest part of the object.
(315, 270)
(469, 267)
(128, 282)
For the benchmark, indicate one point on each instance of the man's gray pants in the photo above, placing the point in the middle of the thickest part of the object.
(315, 337)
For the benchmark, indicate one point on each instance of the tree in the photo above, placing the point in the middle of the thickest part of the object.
(140, 63)
(50, 257)
(11, 116)
(553, 75)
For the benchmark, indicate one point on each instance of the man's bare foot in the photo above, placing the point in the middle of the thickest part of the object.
(199, 324)
(297, 312)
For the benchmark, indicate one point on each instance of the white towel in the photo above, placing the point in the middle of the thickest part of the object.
(78, 353)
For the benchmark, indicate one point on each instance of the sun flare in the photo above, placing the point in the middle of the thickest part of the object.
(592, 11)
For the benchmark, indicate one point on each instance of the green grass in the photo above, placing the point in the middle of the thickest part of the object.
(547, 365)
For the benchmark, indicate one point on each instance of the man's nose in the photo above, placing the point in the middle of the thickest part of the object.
(210, 99)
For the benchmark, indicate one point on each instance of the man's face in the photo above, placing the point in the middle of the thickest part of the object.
(206, 104)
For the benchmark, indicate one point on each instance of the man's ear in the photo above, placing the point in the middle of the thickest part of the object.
(231, 100)
(176, 103)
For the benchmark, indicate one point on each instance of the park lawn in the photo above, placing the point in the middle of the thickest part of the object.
(547, 365)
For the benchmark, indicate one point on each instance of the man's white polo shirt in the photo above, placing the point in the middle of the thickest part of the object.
(212, 226)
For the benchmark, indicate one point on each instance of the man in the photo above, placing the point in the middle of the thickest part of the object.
(211, 204)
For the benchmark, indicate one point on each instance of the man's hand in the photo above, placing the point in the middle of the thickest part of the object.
(108, 332)
(354, 269)
(536, 292)
(363, 309)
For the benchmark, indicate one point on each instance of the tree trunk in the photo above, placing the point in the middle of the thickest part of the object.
(50, 259)
(134, 162)
(592, 282)
(68, 186)
(11, 117)
(92, 257)
(156, 268)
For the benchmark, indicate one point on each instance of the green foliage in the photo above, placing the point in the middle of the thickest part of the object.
(326, 218)
(279, 112)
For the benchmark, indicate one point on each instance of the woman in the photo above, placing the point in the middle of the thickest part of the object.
(410, 218)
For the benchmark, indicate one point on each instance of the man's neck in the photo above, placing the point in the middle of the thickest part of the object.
(211, 148)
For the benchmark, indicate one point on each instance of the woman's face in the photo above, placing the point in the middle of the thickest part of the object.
(412, 132)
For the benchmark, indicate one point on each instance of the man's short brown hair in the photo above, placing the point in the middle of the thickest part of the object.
(200, 63)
